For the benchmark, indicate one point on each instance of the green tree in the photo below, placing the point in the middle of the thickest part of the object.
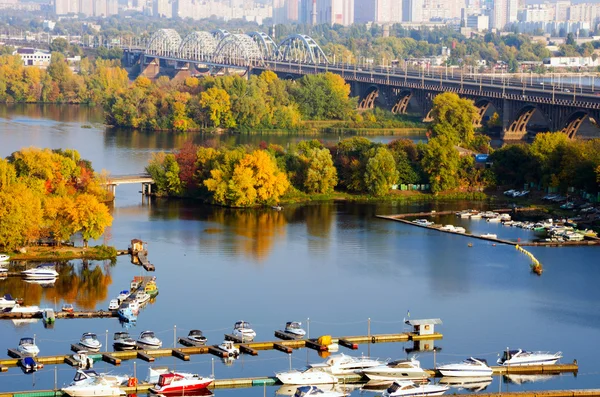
(320, 174)
(453, 118)
(380, 172)
(60, 45)
(441, 163)
(164, 170)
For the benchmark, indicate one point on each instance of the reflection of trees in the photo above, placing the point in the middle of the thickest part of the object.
(81, 285)
(258, 229)
(63, 112)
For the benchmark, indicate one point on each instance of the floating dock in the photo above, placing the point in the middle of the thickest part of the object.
(286, 346)
(400, 218)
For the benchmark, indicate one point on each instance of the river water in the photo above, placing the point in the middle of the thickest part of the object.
(333, 263)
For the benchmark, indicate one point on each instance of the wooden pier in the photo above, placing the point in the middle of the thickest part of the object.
(400, 218)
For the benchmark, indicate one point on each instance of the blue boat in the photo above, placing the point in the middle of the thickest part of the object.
(126, 314)
(28, 364)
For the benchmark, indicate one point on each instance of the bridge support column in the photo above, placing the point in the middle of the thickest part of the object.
(401, 106)
(146, 189)
(518, 128)
(152, 69)
(480, 113)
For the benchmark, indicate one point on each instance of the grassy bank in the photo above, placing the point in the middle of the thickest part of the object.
(39, 253)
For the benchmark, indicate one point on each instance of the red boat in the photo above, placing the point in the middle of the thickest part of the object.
(177, 382)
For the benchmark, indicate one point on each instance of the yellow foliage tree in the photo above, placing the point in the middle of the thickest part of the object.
(90, 217)
(20, 216)
(58, 211)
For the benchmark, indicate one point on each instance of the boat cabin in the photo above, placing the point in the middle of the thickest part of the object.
(167, 379)
(242, 325)
(476, 361)
(26, 341)
(303, 391)
(425, 326)
(147, 335)
(84, 374)
(293, 325)
(402, 385)
(121, 335)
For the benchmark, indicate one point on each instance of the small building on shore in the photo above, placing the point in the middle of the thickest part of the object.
(34, 57)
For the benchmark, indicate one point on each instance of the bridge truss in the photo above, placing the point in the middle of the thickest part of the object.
(236, 49)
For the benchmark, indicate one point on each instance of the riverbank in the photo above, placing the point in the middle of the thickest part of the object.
(43, 253)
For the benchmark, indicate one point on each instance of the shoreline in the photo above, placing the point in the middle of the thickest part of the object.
(49, 253)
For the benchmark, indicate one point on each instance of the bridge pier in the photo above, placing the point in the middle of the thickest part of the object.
(152, 69)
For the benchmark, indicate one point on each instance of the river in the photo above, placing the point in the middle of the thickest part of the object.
(333, 263)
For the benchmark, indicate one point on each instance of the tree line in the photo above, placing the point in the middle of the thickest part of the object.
(49, 194)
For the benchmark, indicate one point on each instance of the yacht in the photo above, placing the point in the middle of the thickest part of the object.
(399, 369)
(315, 374)
(25, 309)
(471, 367)
(142, 297)
(475, 215)
(295, 328)
(244, 331)
(87, 376)
(403, 388)
(27, 347)
(29, 365)
(197, 337)
(96, 387)
(179, 382)
(123, 295)
(523, 357)
(341, 364)
(306, 391)
(42, 272)
(68, 307)
(422, 222)
(90, 341)
(147, 340)
(134, 306)
(122, 341)
(228, 347)
(489, 235)
(7, 301)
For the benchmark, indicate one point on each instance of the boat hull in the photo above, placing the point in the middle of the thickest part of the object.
(548, 361)
(393, 375)
(303, 379)
(83, 391)
(465, 372)
(182, 387)
(124, 346)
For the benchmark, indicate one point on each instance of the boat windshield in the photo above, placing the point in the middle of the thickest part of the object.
(147, 334)
(81, 375)
(476, 361)
(294, 325)
(8, 297)
(89, 336)
(195, 332)
(241, 325)
(26, 341)
(166, 379)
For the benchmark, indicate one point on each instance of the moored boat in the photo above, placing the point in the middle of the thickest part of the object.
(228, 347)
(83, 360)
(244, 331)
(27, 347)
(148, 340)
(314, 374)
(122, 341)
(342, 364)
(178, 382)
(90, 341)
(197, 337)
(142, 297)
(4, 258)
(399, 369)
(471, 367)
(524, 357)
(68, 307)
(42, 272)
(48, 316)
(295, 328)
(126, 314)
(97, 387)
(151, 289)
(29, 364)
(404, 388)
(123, 295)
(7, 301)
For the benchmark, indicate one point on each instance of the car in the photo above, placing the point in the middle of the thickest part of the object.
(113, 304)
(567, 90)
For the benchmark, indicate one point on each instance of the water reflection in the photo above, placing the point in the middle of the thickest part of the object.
(79, 282)
(474, 384)
(20, 113)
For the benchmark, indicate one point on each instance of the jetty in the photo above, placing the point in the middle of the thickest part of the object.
(495, 240)
(139, 254)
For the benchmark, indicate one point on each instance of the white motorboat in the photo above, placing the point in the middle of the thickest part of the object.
(97, 387)
(122, 341)
(523, 357)
(87, 376)
(7, 301)
(295, 328)
(473, 384)
(148, 340)
(314, 374)
(123, 295)
(475, 215)
(228, 347)
(244, 331)
(48, 316)
(422, 222)
(25, 309)
(90, 341)
(342, 364)
(27, 347)
(197, 337)
(399, 369)
(113, 304)
(404, 388)
(29, 365)
(4, 258)
(306, 391)
(495, 219)
(142, 297)
(489, 235)
(180, 382)
(471, 367)
(447, 228)
(42, 272)
(83, 360)
(460, 229)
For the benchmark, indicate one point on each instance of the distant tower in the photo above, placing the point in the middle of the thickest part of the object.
(313, 13)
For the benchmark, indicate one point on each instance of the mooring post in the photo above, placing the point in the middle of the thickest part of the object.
(106, 342)
(174, 335)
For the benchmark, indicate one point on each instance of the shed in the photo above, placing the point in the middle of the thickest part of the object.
(137, 245)
(424, 326)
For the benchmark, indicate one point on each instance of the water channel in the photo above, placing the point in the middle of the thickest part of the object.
(334, 263)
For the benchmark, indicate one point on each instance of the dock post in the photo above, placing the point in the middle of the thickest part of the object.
(290, 358)
(212, 375)
(55, 377)
(135, 369)
(308, 328)
(369, 334)
(174, 336)
(106, 342)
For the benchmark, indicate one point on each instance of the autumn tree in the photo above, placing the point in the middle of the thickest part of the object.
(320, 175)
(441, 162)
(164, 170)
(216, 103)
(380, 171)
(20, 216)
(8, 175)
(453, 118)
(59, 218)
(90, 217)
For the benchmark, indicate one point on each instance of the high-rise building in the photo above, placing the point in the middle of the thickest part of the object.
(365, 11)
(97, 8)
(63, 7)
(335, 12)
(162, 8)
(285, 11)
(503, 12)
(412, 11)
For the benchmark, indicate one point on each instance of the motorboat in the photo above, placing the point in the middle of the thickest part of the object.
(342, 364)
(142, 297)
(495, 219)
(97, 387)
(7, 301)
(473, 384)
(134, 306)
(314, 374)
(113, 304)
(151, 289)
(471, 367)
(523, 357)
(244, 331)
(126, 314)
(25, 309)
(228, 347)
(90, 341)
(68, 307)
(447, 228)
(27, 347)
(178, 382)
(42, 272)
(29, 364)
(197, 337)
(295, 328)
(4, 258)
(489, 235)
(305, 391)
(148, 340)
(409, 388)
(122, 341)
(422, 222)
(88, 376)
(83, 360)
(398, 369)
(123, 295)
(460, 229)
(475, 215)
(48, 316)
